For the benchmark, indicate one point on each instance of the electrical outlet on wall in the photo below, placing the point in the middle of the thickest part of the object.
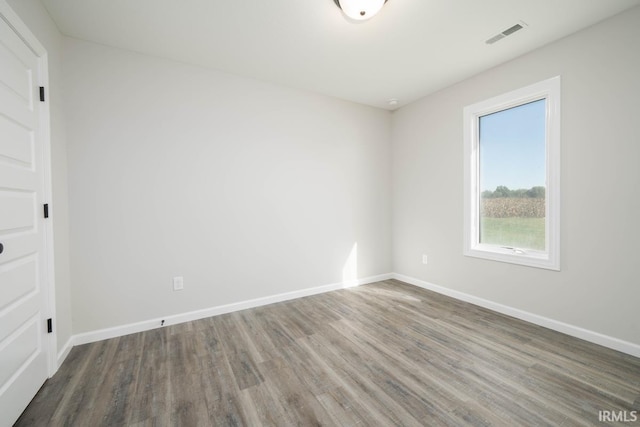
(178, 283)
(424, 259)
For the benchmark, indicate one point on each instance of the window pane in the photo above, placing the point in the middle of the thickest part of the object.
(512, 175)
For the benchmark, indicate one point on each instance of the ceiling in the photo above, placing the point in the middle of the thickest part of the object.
(410, 49)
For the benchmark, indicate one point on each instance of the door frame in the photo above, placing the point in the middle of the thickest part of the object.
(8, 15)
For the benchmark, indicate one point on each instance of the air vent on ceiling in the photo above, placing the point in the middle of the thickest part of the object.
(506, 33)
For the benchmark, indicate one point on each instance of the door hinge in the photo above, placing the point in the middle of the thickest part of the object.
(46, 210)
(49, 325)
(41, 93)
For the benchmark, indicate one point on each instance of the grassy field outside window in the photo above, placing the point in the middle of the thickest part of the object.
(517, 222)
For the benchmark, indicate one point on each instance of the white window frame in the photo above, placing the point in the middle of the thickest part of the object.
(550, 257)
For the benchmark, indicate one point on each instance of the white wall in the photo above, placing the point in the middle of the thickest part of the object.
(597, 288)
(244, 188)
(34, 15)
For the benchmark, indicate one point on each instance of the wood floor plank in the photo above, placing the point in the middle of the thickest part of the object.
(267, 409)
(377, 355)
(239, 356)
(93, 394)
(256, 332)
(150, 397)
(349, 362)
(219, 391)
(58, 393)
(406, 369)
(363, 406)
(301, 406)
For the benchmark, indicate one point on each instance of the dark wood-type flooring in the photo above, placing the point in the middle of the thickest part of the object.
(376, 355)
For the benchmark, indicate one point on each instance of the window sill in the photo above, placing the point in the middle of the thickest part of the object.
(517, 256)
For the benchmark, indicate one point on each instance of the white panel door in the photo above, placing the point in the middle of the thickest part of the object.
(23, 272)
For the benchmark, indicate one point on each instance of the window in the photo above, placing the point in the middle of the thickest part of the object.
(512, 177)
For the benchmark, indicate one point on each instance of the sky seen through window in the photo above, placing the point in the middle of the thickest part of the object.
(512, 147)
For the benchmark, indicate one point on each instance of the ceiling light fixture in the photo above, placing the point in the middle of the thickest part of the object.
(360, 10)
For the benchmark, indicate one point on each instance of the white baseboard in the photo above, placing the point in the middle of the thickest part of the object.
(575, 331)
(145, 325)
(64, 352)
